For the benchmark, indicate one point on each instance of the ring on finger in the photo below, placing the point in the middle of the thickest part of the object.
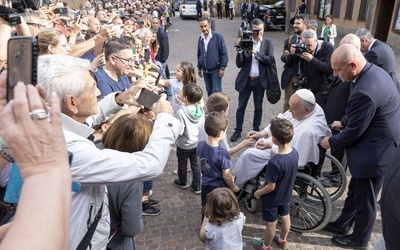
(39, 114)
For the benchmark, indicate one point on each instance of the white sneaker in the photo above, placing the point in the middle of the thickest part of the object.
(175, 172)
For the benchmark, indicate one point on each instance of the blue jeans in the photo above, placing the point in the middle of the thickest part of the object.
(213, 82)
(147, 186)
(183, 155)
(258, 96)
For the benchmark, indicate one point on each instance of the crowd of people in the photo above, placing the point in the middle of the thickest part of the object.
(95, 65)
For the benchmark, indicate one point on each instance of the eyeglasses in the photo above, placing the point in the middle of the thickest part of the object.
(126, 61)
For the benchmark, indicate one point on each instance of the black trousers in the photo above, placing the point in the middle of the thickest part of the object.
(219, 13)
(360, 208)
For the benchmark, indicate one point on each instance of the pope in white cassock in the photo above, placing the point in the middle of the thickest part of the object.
(309, 125)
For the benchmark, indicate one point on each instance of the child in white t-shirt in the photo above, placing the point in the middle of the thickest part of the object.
(223, 222)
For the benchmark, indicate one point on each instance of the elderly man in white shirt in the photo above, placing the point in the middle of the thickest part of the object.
(310, 126)
(69, 77)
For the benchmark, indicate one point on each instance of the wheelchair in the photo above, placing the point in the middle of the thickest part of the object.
(316, 186)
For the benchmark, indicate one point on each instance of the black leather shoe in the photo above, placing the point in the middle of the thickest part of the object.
(345, 242)
(236, 136)
(330, 227)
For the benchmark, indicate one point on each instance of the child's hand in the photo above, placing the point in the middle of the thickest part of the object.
(247, 143)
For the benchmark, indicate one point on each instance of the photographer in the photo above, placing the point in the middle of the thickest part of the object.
(315, 64)
(289, 74)
(254, 55)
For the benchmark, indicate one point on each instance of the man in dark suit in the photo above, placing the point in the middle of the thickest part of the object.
(162, 39)
(390, 203)
(370, 133)
(256, 12)
(252, 76)
(227, 2)
(291, 72)
(243, 8)
(249, 11)
(315, 63)
(378, 53)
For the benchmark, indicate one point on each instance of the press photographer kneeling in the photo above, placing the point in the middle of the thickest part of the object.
(315, 69)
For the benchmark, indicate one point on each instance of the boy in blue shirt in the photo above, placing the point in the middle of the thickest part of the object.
(279, 183)
(215, 161)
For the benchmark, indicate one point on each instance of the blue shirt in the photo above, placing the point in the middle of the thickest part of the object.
(89, 55)
(107, 85)
(213, 160)
(281, 170)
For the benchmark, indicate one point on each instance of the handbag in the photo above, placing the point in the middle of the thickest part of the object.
(273, 88)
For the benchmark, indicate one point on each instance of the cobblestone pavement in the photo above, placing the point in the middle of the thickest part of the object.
(177, 227)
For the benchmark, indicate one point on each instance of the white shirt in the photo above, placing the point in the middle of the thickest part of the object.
(254, 71)
(206, 39)
(226, 236)
(370, 46)
(94, 168)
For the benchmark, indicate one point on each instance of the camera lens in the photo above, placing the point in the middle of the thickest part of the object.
(246, 45)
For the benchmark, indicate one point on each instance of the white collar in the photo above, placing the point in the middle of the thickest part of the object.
(73, 126)
(208, 37)
(370, 46)
(252, 38)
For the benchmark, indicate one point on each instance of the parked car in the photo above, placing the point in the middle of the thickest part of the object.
(263, 10)
(280, 4)
(188, 9)
(275, 17)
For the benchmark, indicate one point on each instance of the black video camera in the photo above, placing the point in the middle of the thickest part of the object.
(300, 48)
(245, 33)
(301, 83)
(246, 43)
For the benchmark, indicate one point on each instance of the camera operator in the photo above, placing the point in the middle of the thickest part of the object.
(254, 55)
(315, 63)
(289, 74)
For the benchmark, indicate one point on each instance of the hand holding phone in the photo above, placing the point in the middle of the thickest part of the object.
(146, 54)
(147, 98)
(22, 57)
(77, 14)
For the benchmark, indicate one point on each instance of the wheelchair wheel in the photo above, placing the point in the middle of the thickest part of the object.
(311, 206)
(333, 177)
(251, 203)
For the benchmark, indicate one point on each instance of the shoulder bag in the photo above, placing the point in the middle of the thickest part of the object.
(273, 88)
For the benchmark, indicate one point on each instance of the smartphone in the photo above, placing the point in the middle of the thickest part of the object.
(61, 11)
(146, 54)
(158, 78)
(77, 14)
(22, 57)
(148, 98)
